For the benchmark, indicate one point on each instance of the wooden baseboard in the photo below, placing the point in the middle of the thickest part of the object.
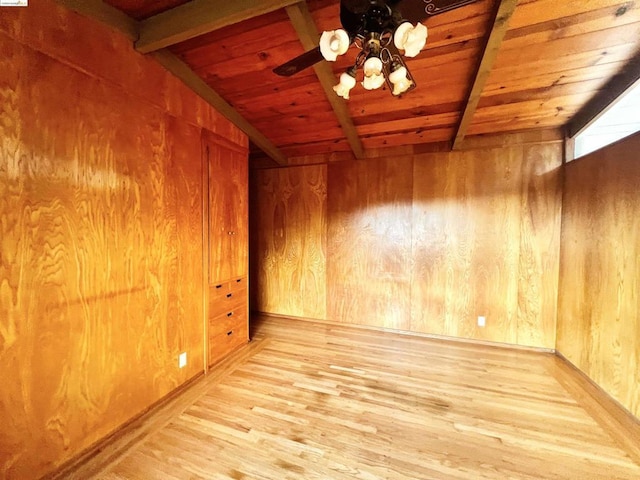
(68, 468)
(443, 338)
(113, 447)
(611, 415)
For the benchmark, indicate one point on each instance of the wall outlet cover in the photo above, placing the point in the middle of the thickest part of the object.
(482, 321)
(182, 360)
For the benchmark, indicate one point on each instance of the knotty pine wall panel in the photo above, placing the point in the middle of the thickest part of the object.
(427, 243)
(369, 242)
(599, 303)
(290, 243)
(100, 238)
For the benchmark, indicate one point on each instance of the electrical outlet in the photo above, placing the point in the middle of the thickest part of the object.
(182, 360)
(482, 321)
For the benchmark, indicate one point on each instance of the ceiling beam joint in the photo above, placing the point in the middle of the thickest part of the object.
(198, 17)
(181, 70)
(114, 18)
(308, 33)
(498, 30)
(105, 14)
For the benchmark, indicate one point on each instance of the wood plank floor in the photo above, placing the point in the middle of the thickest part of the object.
(316, 401)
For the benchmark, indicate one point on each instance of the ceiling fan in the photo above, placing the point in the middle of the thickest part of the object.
(380, 29)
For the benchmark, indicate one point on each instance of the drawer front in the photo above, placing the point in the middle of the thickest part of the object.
(238, 284)
(228, 317)
(228, 320)
(227, 302)
(222, 344)
(219, 290)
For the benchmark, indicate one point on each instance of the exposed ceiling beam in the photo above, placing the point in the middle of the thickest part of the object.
(119, 21)
(615, 87)
(309, 36)
(104, 13)
(498, 31)
(200, 87)
(198, 17)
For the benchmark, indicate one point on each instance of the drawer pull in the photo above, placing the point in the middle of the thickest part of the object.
(219, 286)
(229, 314)
(229, 295)
(230, 332)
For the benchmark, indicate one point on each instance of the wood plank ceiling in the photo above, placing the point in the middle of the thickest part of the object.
(553, 61)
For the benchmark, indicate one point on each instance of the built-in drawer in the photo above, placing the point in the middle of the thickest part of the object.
(228, 317)
(228, 302)
(223, 341)
(221, 290)
(227, 320)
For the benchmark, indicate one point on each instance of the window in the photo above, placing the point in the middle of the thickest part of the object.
(620, 120)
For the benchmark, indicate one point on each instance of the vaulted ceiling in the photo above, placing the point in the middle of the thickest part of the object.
(492, 66)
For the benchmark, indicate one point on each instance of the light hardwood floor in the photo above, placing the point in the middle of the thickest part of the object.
(315, 401)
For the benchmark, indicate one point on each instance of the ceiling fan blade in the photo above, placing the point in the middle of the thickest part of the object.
(351, 12)
(418, 10)
(299, 63)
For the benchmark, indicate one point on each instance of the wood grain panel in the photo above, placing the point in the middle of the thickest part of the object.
(599, 304)
(485, 238)
(431, 247)
(289, 251)
(101, 235)
(238, 59)
(466, 243)
(538, 12)
(416, 137)
(101, 259)
(107, 54)
(554, 60)
(540, 215)
(140, 9)
(228, 212)
(369, 242)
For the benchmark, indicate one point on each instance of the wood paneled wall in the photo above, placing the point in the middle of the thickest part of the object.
(369, 242)
(100, 234)
(289, 238)
(486, 231)
(599, 300)
(423, 243)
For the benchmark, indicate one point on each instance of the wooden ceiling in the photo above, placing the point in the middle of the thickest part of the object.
(490, 67)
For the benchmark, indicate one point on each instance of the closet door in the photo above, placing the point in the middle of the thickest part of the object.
(228, 214)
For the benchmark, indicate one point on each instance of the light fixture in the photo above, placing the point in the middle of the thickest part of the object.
(410, 39)
(382, 36)
(373, 77)
(347, 82)
(399, 77)
(334, 43)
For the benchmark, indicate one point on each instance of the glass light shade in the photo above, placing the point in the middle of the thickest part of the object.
(372, 67)
(410, 39)
(371, 82)
(347, 82)
(334, 43)
(400, 81)
(373, 77)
